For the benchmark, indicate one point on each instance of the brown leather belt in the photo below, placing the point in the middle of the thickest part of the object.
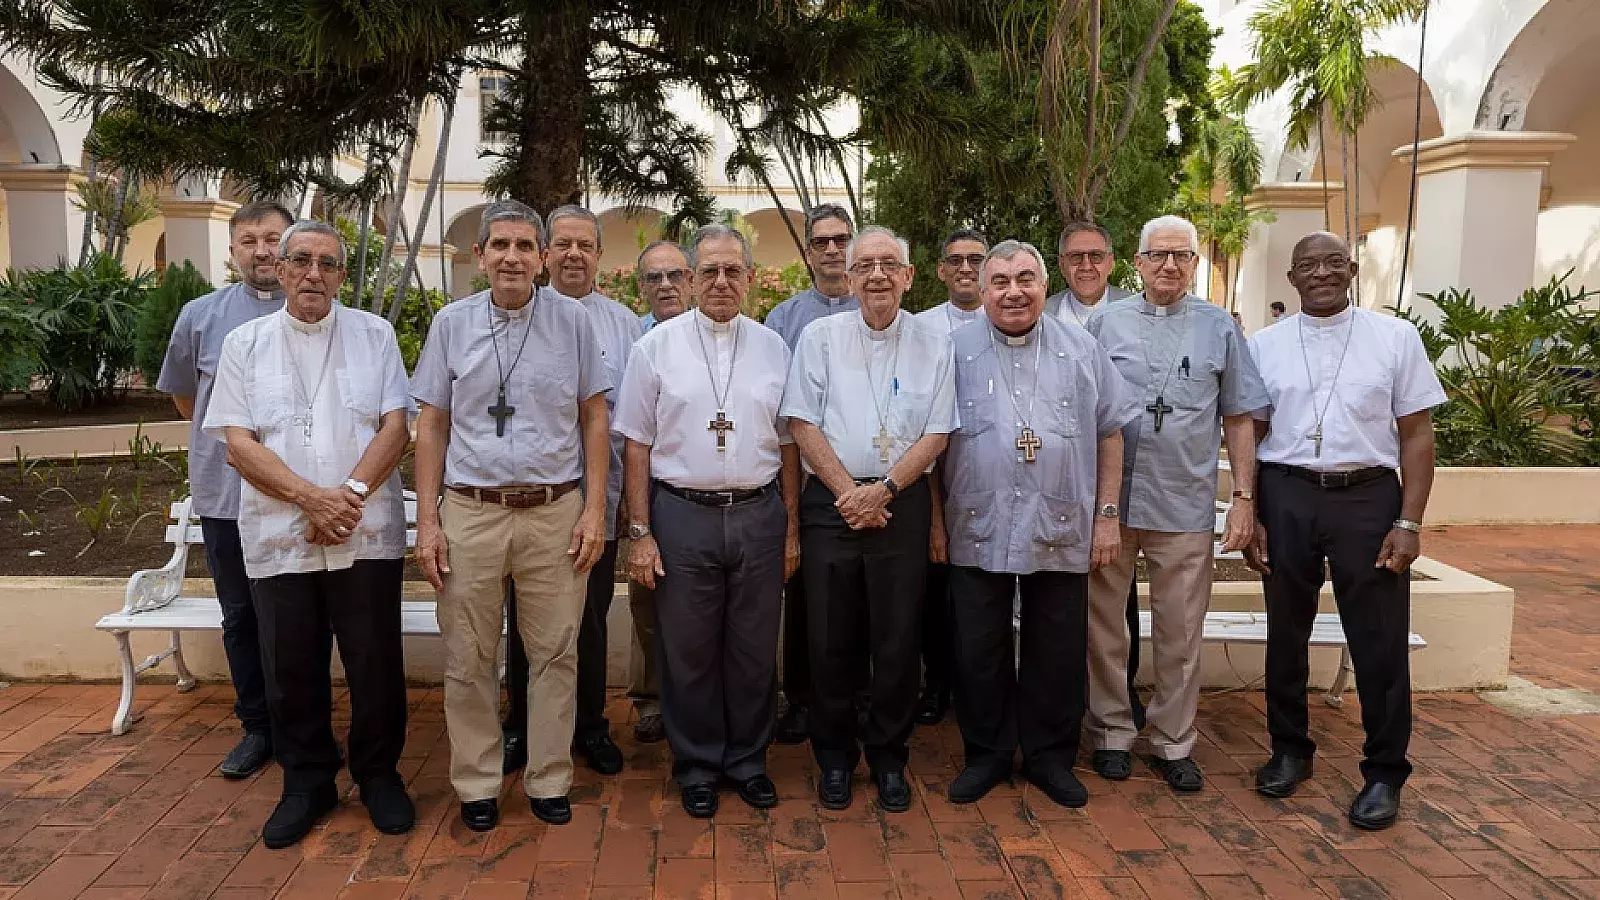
(522, 497)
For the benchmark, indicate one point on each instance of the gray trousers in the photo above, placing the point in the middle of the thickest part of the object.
(717, 613)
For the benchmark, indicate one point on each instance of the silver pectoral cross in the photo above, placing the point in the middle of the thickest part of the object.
(303, 422)
(1316, 439)
(884, 443)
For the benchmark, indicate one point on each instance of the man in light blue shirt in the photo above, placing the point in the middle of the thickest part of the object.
(663, 274)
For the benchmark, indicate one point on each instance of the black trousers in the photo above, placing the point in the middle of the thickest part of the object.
(717, 611)
(796, 646)
(300, 615)
(241, 638)
(864, 583)
(938, 639)
(1039, 703)
(1307, 525)
(591, 694)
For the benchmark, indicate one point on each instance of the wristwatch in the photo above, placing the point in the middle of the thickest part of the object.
(360, 487)
(1109, 511)
(638, 530)
(894, 489)
(1408, 525)
(1244, 495)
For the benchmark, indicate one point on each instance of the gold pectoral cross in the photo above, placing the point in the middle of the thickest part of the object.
(884, 443)
(721, 425)
(1029, 444)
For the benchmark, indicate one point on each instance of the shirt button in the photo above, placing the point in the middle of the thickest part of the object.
(1018, 493)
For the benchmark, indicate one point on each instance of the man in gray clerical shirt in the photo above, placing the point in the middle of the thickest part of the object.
(1041, 408)
(1187, 364)
(511, 385)
(1085, 256)
(188, 374)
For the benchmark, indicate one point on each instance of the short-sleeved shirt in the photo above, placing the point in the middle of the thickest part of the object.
(617, 328)
(1189, 357)
(551, 361)
(791, 317)
(269, 372)
(1068, 308)
(1003, 513)
(1386, 375)
(850, 382)
(190, 370)
(947, 317)
(667, 402)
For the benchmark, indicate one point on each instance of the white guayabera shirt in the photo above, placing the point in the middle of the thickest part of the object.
(256, 388)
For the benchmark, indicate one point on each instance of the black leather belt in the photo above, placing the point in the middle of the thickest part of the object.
(520, 497)
(1331, 480)
(713, 498)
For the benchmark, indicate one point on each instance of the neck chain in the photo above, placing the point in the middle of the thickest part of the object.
(1316, 433)
(1027, 441)
(884, 441)
(721, 424)
(500, 410)
(299, 385)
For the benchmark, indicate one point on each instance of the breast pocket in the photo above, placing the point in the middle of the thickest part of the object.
(975, 402)
(1197, 387)
(908, 414)
(362, 397)
(1062, 417)
(1369, 401)
(552, 379)
(272, 402)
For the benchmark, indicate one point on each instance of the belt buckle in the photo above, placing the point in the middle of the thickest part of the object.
(725, 496)
(1333, 479)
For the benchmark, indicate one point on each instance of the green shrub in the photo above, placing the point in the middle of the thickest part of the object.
(178, 286)
(86, 318)
(772, 286)
(23, 340)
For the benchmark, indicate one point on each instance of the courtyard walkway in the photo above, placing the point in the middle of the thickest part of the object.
(1501, 806)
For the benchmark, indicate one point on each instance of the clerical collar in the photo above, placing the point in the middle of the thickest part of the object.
(507, 313)
(831, 301)
(1338, 318)
(259, 294)
(956, 310)
(322, 324)
(712, 324)
(1155, 309)
(1016, 340)
(888, 331)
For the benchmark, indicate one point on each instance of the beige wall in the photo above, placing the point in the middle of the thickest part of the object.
(1468, 495)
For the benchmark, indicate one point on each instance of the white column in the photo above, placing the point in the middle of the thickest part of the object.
(428, 265)
(1298, 210)
(197, 231)
(45, 226)
(1478, 197)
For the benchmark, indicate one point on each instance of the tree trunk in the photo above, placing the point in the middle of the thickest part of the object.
(434, 180)
(114, 225)
(397, 212)
(363, 236)
(555, 84)
(1322, 149)
(1354, 193)
(1344, 169)
(87, 246)
(1130, 104)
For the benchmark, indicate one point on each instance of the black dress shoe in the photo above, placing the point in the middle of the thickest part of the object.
(296, 815)
(1281, 775)
(791, 727)
(481, 815)
(1113, 765)
(1181, 774)
(834, 788)
(388, 804)
(554, 810)
(974, 782)
(894, 792)
(515, 754)
(700, 800)
(602, 754)
(759, 792)
(650, 729)
(1376, 807)
(1058, 783)
(931, 706)
(247, 756)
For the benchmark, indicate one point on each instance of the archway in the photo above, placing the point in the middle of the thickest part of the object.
(623, 230)
(1564, 100)
(773, 245)
(462, 234)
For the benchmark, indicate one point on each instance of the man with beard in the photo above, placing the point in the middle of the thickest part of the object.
(188, 374)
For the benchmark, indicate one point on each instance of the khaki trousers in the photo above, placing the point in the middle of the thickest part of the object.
(1180, 593)
(487, 543)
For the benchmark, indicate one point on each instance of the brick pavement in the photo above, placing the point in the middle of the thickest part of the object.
(1499, 807)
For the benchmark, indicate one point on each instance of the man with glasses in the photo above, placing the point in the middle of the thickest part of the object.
(513, 426)
(713, 486)
(870, 401)
(188, 374)
(827, 231)
(312, 403)
(1085, 257)
(1352, 393)
(960, 258)
(663, 274)
(1187, 364)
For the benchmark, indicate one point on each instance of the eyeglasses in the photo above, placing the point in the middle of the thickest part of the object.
(711, 273)
(1093, 257)
(821, 241)
(957, 260)
(864, 268)
(1306, 267)
(302, 262)
(1160, 257)
(676, 276)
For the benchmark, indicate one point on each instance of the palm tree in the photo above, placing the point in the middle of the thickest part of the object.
(1219, 174)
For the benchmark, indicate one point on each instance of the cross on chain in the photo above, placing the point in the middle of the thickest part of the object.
(1029, 444)
(1160, 408)
(501, 413)
(884, 443)
(305, 423)
(721, 425)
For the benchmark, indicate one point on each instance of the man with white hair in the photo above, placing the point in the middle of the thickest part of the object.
(1187, 363)
(870, 401)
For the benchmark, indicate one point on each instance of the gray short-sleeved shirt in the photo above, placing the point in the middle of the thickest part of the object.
(560, 367)
(791, 317)
(1004, 514)
(617, 328)
(1191, 357)
(190, 370)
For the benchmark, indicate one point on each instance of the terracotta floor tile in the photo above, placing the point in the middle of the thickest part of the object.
(195, 875)
(868, 890)
(971, 851)
(686, 879)
(66, 876)
(857, 851)
(627, 856)
(989, 890)
(923, 875)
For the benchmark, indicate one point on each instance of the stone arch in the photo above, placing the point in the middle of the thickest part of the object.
(620, 230)
(26, 135)
(773, 246)
(1554, 34)
(462, 233)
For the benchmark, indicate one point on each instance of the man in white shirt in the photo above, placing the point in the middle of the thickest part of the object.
(1351, 393)
(711, 531)
(871, 402)
(312, 402)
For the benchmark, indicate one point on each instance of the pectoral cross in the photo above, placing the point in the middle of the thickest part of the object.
(501, 413)
(1028, 443)
(1316, 438)
(1160, 408)
(721, 425)
(304, 422)
(884, 443)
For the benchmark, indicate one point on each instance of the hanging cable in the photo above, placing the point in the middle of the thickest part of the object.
(1416, 141)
